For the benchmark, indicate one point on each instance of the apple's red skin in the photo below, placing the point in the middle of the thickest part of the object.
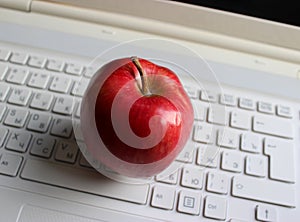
(178, 118)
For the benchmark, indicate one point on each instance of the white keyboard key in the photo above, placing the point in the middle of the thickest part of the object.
(189, 202)
(94, 183)
(62, 127)
(265, 107)
(41, 101)
(3, 135)
(4, 90)
(232, 161)
(208, 156)
(217, 182)
(215, 207)
(39, 122)
(55, 65)
(256, 165)
(77, 131)
(187, 153)
(39, 80)
(192, 177)
(228, 138)
(247, 103)
(60, 84)
(19, 97)
(208, 96)
(204, 133)
(251, 142)
(169, 175)
(18, 141)
(64, 105)
(217, 114)
(19, 58)
(273, 126)
(4, 54)
(192, 92)
(240, 120)
(284, 111)
(266, 213)
(77, 113)
(163, 197)
(3, 71)
(90, 71)
(37, 61)
(10, 164)
(83, 162)
(264, 190)
(66, 151)
(199, 110)
(228, 100)
(42, 146)
(282, 159)
(16, 117)
(17, 76)
(2, 110)
(80, 87)
(74, 69)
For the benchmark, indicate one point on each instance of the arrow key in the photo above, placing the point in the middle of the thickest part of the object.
(265, 213)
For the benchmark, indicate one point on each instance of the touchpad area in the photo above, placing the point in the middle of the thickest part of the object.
(31, 213)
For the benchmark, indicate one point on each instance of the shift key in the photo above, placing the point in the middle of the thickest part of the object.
(268, 191)
(84, 181)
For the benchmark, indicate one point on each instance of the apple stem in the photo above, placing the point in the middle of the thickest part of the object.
(142, 79)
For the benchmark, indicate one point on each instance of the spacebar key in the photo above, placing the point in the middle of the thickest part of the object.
(84, 181)
(265, 191)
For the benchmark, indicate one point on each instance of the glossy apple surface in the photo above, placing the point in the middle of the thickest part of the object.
(141, 114)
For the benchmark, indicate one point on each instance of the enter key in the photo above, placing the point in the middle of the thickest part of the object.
(282, 159)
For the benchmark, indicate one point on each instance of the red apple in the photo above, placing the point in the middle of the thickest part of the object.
(136, 117)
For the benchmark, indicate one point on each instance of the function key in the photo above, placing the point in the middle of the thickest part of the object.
(192, 92)
(37, 61)
(55, 65)
(246, 103)
(284, 111)
(4, 54)
(74, 69)
(228, 100)
(19, 58)
(265, 107)
(208, 96)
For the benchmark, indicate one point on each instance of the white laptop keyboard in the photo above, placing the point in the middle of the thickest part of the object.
(253, 159)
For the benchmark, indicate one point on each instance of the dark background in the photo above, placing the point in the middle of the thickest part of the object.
(280, 11)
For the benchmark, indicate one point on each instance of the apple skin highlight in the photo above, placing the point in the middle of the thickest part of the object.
(141, 114)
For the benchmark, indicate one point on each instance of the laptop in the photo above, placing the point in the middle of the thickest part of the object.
(241, 167)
